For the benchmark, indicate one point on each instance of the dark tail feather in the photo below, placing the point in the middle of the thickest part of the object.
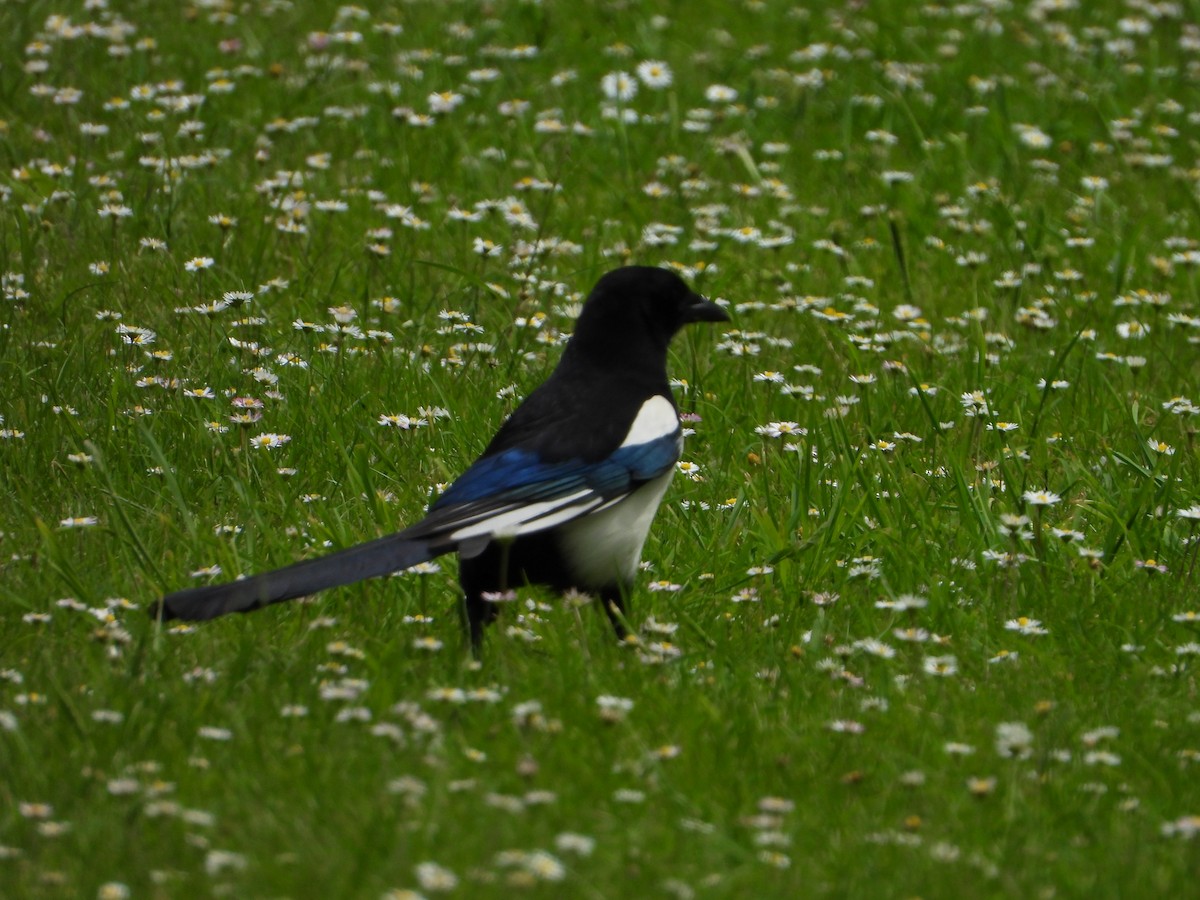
(379, 557)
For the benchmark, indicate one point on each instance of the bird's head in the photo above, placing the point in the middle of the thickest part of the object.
(638, 309)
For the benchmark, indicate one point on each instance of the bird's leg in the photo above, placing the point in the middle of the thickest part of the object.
(477, 610)
(504, 545)
(613, 600)
(476, 614)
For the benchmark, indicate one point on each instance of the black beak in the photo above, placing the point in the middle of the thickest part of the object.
(701, 310)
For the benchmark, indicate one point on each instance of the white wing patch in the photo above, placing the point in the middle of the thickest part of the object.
(657, 418)
(515, 521)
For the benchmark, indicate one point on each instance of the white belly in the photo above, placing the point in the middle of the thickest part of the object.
(605, 547)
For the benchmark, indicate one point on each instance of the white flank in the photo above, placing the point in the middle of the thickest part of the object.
(606, 546)
(657, 418)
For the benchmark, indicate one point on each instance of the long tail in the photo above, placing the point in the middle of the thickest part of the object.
(379, 557)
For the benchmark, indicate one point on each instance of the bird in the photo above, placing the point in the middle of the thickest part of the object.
(562, 496)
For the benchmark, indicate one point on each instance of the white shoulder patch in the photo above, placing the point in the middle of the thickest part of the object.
(657, 418)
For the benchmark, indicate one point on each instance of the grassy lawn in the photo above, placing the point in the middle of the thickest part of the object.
(920, 612)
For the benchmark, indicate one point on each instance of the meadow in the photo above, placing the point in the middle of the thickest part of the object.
(919, 615)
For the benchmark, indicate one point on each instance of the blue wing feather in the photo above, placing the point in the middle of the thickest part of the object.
(647, 461)
(520, 475)
(504, 481)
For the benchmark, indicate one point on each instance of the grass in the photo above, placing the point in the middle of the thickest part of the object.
(959, 247)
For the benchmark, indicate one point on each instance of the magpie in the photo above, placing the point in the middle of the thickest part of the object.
(564, 494)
